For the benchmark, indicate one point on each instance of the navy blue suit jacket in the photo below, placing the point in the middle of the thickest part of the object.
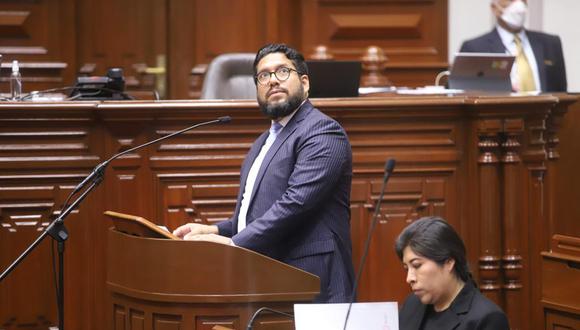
(299, 211)
(469, 311)
(547, 50)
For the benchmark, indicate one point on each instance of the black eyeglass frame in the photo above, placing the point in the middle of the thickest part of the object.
(270, 73)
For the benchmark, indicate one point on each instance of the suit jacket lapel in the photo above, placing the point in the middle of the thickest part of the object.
(283, 136)
(538, 49)
(413, 322)
(495, 43)
(460, 306)
(250, 158)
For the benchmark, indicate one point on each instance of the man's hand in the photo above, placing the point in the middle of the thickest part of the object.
(193, 229)
(209, 238)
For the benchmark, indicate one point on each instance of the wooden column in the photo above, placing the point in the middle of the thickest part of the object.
(489, 206)
(512, 222)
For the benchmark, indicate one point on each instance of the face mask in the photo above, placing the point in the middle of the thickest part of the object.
(514, 15)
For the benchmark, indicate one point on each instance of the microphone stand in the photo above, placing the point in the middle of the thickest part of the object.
(389, 167)
(58, 231)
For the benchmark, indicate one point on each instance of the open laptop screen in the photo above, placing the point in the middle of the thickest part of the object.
(482, 72)
(334, 78)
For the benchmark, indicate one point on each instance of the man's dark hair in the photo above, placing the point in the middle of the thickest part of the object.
(291, 53)
(433, 238)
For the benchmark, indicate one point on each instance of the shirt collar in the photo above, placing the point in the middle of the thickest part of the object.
(507, 37)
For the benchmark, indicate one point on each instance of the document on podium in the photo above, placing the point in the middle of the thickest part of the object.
(139, 226)
(368, 316)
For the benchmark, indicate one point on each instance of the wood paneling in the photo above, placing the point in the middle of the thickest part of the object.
(127, 34)
(480, 162)
(225, 291)
(563, 186)
(566, 218)
(31, 32)
(560, 285)
(159, 42)
(410, 31)
(413, 34)
(562, 321)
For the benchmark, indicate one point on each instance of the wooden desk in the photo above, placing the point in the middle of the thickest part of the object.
(483, 163)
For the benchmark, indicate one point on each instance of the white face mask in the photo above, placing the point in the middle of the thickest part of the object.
(514, 15)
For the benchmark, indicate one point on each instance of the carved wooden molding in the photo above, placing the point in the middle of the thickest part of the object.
(368, 26)
(12, 24)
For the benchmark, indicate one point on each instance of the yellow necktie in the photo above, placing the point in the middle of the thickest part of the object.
(525, 74)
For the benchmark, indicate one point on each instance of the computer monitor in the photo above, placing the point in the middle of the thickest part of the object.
(488, 72)
(334, 78)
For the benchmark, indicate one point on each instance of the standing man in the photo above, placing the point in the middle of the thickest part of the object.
(539, 64)
(294, 198)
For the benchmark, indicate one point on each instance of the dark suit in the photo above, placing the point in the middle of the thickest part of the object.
(469, 311)
(547, 50)
(299, 211)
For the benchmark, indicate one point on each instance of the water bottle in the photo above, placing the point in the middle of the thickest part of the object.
(15, 82)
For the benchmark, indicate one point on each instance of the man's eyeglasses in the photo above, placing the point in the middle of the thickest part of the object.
(282, 74)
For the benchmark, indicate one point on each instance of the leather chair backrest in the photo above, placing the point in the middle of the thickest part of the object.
(230, 76)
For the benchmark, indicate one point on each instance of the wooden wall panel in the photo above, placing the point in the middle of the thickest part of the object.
(560, 285)
(33, 196)
(413, 34)
(406, 199)
(26, 210)
(410, 31)
(128, 34)
(563, 184)
(463, 158)
(229, 26)
(40, 35)
(159, 42)
(566, 220)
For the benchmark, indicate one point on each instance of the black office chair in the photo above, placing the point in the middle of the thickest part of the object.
(230, 76)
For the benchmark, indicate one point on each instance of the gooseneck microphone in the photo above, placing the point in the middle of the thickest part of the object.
(97, 173)
(389, 167)
(58, 231)
(265, 309)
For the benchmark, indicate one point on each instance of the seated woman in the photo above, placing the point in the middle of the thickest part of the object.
(444, 294)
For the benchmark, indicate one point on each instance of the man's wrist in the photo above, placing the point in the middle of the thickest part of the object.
(212, 229)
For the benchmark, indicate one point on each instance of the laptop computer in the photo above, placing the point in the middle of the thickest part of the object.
(488, 72)
(334, 78)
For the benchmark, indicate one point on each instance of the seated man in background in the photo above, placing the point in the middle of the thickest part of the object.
(539, 64)
(444, 293)
(294, 198)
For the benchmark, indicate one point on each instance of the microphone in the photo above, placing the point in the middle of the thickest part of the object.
(259, 311)
(389, 167)
(97, 173)
(56, 228)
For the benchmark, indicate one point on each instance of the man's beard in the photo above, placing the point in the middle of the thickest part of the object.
(282, 109)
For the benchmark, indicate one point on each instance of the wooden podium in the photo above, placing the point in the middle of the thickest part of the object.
(158, 283)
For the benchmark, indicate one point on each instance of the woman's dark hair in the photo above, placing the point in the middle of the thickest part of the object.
(291, 53)
(435, 239)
